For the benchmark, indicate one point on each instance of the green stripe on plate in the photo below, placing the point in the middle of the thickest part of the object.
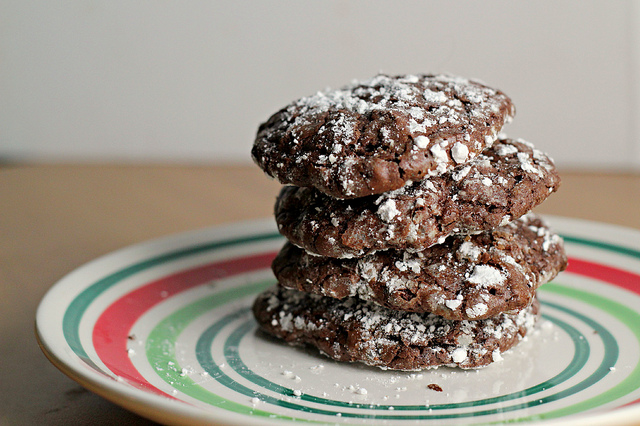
(602, 245)
(624, 314)
(580, 357)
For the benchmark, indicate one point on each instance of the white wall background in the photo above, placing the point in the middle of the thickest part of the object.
(160, 80)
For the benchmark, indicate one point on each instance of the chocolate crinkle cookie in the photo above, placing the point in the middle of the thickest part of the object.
(464, 278)
(374, 136)
(501, 184)
(355, 330)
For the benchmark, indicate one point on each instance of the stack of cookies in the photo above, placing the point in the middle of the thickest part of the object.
(410, 238)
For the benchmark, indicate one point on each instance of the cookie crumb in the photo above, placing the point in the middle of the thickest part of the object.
(434, 387)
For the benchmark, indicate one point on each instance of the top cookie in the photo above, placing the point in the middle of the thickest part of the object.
(374, 136)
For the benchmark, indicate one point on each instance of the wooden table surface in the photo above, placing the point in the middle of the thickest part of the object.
(54, 218)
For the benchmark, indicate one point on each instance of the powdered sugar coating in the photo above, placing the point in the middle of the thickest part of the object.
(466, 277)
(373, 136)
(355, 330)
(501, 184)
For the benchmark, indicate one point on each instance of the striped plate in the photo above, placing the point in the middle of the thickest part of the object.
(164, 329)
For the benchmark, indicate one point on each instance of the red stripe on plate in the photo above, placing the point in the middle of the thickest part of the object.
(618, 277)
(111, 330)
(629, 403)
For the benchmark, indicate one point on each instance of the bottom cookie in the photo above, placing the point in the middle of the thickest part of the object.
(354, 330)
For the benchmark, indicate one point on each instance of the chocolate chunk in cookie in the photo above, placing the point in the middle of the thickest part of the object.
(355, 330)
(504, 182)
(374, 136)
(466, 277)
